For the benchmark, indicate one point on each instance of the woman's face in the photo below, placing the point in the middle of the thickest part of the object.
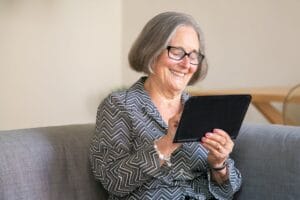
(172, 74)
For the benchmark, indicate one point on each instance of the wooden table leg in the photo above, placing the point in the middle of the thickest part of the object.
(269, 112)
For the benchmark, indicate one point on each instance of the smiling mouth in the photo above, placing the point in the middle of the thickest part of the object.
(179, 74)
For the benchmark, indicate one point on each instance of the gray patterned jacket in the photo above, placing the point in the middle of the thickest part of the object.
(124, 160)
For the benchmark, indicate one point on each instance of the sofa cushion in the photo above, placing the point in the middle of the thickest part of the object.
(47, 163)
(269, 161)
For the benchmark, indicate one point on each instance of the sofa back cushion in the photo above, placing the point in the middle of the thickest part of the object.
(268, 157)
(47, 163)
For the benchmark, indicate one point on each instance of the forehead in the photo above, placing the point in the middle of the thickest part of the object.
(185, 37)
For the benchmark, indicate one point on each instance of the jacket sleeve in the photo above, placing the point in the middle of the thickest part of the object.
(230, 187)
(120, 169)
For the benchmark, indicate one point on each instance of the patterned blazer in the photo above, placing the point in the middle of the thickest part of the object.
(123, 157)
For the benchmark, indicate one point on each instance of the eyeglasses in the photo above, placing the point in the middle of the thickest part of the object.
(178, 53)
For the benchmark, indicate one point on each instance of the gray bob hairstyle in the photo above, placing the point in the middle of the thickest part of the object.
(155, 37)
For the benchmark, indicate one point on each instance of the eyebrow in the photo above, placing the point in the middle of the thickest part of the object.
(194, 50)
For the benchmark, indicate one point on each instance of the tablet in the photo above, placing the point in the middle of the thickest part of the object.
(201, 114)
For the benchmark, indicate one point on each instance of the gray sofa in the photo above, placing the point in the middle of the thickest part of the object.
(52, 163)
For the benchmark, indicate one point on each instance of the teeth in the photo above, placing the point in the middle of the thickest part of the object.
(177, 73)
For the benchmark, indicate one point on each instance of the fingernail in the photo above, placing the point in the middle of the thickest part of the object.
(208, 134)
(216, 130)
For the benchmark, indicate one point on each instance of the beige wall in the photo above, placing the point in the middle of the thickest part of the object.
(59, 58)
(249, 43)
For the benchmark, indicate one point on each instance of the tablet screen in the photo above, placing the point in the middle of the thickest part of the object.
(201, 114)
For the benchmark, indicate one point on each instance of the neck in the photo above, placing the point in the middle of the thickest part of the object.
(160, 93)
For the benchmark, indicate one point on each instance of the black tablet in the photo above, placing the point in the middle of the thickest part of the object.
(201, 114)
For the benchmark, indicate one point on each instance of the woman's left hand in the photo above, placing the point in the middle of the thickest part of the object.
(219, 145)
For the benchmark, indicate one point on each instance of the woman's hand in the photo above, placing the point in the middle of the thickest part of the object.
(219, 145)
(165, 144)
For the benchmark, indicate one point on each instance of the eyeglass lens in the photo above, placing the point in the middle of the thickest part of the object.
(178, 53)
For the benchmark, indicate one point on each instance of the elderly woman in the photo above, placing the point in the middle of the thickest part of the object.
(132, 152)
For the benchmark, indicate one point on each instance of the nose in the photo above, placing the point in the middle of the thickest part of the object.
(185, 62)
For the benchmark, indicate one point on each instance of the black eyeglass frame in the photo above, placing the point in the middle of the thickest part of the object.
(200, 56)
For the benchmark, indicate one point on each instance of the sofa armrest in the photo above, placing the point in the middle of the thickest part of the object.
(269, 161)
(47, 163)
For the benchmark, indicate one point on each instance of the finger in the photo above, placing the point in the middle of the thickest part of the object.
(217, 138)
(216, 146)
(222, 133)
(217, 153)
(225, 136)
(209, 138)
(212, 144)
(220, 139)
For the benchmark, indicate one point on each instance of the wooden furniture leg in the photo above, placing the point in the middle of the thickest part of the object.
(269, 112)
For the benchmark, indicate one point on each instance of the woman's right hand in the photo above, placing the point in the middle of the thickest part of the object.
(165, 144)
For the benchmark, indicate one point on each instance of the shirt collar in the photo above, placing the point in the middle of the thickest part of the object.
(138, 91)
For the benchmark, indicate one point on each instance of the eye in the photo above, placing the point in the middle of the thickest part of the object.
(194, 55)
(177, 51)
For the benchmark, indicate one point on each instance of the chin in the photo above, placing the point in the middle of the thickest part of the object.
(181, 85)
(179, 88)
